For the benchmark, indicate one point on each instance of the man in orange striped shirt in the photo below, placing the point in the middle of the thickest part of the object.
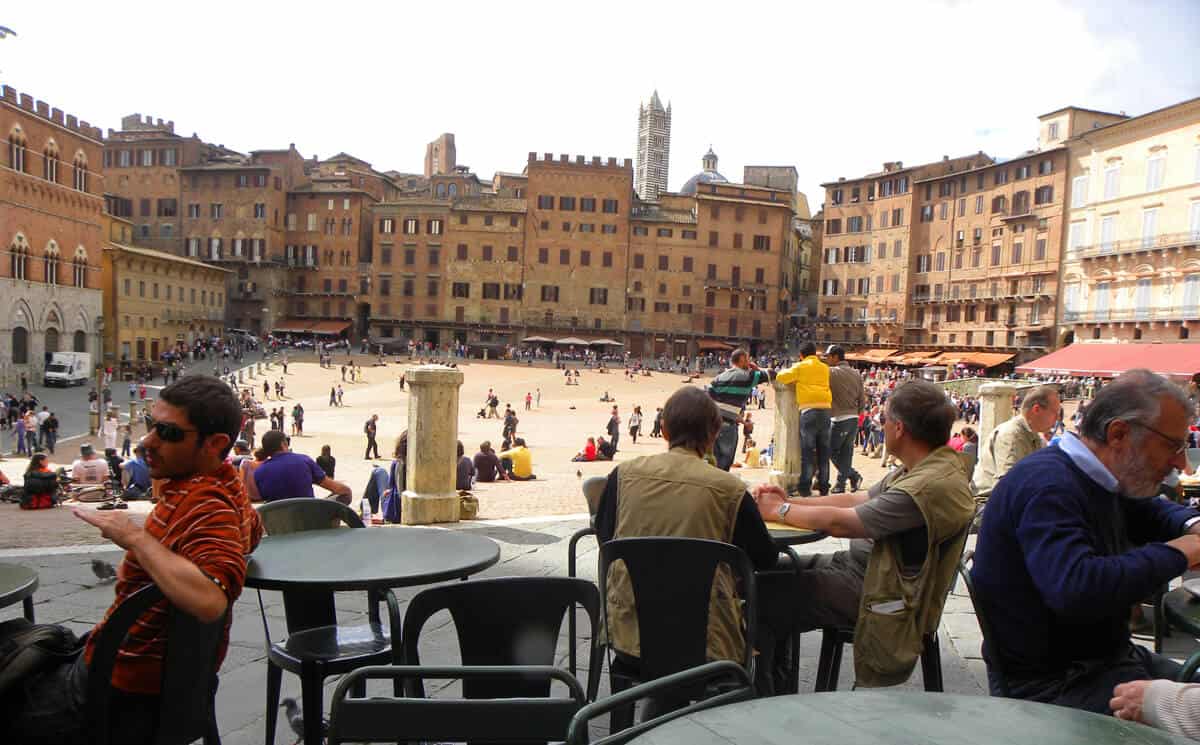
(193, 546)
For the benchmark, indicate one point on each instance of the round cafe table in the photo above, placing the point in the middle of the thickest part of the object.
(898, 718)
(367, 558)
(786, 535)
(17, 584)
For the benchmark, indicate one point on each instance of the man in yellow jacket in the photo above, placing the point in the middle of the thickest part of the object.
(814, 399)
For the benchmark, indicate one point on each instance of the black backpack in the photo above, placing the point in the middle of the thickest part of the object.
(27, 649)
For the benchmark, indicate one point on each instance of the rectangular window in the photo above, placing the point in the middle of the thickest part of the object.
(412, 226)
(487, 253)
(762, 243)
(927, 213)
(665, 232)
(1112, 182)
(640, 230)
(461, 252)
(995, 254)
(897, 217)
(606, 259)
(460, 289)
(545, 202)
(566, 204)
(406, 288)
(491, 290)
(1149, 227)
(610, 206)
(564, 256)
(1016, 253)
(1155, 167)
(587, 204)
(549, 293)
(608, 229)
(664, 263)
(386, 225)
(214, 210)
(543, 256)
(1079, 186)
(512, 291)
(585, 258)
(1043, 195)
(598, 296)
(434, 227)
(410, 256)
(434, 256)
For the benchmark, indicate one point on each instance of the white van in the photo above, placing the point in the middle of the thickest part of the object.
(68, 368)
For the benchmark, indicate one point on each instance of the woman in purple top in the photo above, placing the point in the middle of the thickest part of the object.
(285, 475)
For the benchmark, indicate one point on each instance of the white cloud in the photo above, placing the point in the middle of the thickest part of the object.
(834, 89)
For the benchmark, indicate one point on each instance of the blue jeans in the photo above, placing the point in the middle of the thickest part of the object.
(841, 450)
(814, 450)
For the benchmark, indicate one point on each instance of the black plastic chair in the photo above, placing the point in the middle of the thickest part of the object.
(593, 489)
(356, 718)
(676, 684)
(187, 708)
(985, 627)
(834, 639)
(317, 647)
(671, 580)
(506, 621)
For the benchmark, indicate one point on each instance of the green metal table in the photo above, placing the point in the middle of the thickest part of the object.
(1182, 610)
(18, 583)
(899, 718)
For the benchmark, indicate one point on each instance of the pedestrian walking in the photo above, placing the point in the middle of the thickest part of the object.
(528, 401)
(266, 390)
(298, 419)
(370, 429)
(614, 428)
(51, 426)
(539, 398)
(332, 396)
(635, 423)
(340, 392)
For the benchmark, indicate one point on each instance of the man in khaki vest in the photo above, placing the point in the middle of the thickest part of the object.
(908, 533)
(1016, 438)
(678, 494)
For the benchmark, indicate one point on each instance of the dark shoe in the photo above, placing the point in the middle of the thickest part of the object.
(838, 490)
(856, 482)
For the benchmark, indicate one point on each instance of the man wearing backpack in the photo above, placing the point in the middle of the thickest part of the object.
(193, 547)
(369, 429)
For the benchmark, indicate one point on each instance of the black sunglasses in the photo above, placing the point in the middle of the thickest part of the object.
(166, 431)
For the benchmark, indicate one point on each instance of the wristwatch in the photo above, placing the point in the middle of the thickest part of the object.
(783, 509)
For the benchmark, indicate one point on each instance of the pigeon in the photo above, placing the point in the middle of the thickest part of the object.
(295, 718)
(579, 474)
(104, 571)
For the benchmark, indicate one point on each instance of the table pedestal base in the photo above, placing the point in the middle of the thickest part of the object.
(424, 509)
(784, 480)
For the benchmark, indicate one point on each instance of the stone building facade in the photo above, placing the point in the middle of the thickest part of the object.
(653, 148)
(1131, 268)
(155, 301)
(51, 207)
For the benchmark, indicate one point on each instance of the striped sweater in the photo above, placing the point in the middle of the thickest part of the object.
(207, 520)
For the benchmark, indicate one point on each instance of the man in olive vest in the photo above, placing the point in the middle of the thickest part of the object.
(908, 533)
(678, 494)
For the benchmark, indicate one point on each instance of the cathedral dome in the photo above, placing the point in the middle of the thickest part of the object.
(708, 175)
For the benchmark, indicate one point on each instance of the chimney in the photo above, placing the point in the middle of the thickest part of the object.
(563, 158)
(578, 160)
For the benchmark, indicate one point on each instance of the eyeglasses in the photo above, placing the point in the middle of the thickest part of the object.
(166, 431)
(1179, 446)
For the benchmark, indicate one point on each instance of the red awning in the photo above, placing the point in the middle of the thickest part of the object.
(1110, 360)
(719, 346)
(292, 326)
(328, 328)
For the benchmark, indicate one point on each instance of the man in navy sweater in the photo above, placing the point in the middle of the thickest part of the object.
(1072, 538)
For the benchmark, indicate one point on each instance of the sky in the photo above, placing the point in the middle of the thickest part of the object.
(832, 88)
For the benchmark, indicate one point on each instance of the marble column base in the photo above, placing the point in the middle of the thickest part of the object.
(425, 509)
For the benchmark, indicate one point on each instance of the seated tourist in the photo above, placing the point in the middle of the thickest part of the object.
(1165, 704)
(465, 471)
(753, 459)
(1016, 438)
(522, 460)
(286, 475)
(193, 547)
(678, 494)
(908, 533)
(89, 468)
(40, 486)
(589, 451)
(1072, 538)
(487, 465)
(135, 475)
(605, 450)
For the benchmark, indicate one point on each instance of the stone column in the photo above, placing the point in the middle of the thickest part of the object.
(785, 465)
(432, 445)
(995, 407)
(241, 376)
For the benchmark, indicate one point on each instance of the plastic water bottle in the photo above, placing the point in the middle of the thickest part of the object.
(364, 509)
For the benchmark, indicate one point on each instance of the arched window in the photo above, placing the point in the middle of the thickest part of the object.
(81, 172)
(50, 162)
(453, 190)
(16, 150)
(20, 346)
(441, 190)
(51, 340)
(51, 261)
(80, 267)
(80, 342)
(19, 257)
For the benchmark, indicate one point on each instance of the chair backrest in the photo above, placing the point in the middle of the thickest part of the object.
(306, 513)
(593, 489)
(985, 626)
(509, 719)
(506, 621)
(672, 580)
(189, 670)
(681, 682)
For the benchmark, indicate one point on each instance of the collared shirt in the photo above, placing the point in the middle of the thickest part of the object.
(1081, 455)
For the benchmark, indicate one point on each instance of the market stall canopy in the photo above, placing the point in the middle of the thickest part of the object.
(572, 340)
(914, 358)
(982, 359)
(871, 355)
(606, 343)
(709, 344)
(328, 328)
(537, 340)
(1110, 360)
(291, 326)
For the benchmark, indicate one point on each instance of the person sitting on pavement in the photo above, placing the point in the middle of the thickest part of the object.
(135, 475)
(40, 486)
(677, 494)
(327, 462)
(908, 532)
(605, 450)
(1016, 438)
(89, 468)
(1073, 537)
(193, 546)
(522, 460)
(753, 459)
(465, 471)
(487, 465)
(588, 453)
(287, 475)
